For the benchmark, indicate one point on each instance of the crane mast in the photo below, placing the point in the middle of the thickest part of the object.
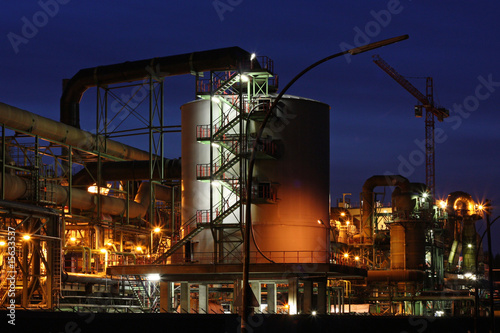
(427, 102)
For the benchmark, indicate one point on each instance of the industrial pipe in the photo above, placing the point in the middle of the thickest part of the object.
(85, 257)
(127, 170)
(8, 159)
(17, 188)
(367, 198)
(89, 278)
(219, 59)
(395, 275)
(50, 129)
(459, 203)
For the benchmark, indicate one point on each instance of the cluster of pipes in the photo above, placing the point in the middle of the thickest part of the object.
(136, 162)
(407, 230)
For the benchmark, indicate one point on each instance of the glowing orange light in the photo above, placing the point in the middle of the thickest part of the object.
(26, 237)
(356, 258)
(2, 243)
(73, 239)
(346, 255)
(157, 229)
(138, 249)
(342, 214)
(103, 190)
(286, 306)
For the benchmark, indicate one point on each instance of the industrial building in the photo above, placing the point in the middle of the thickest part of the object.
(89, 222)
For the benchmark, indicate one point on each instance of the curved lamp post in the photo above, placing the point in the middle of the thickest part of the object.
(248, 225)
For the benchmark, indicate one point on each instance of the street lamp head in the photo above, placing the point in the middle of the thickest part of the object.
(375, 45)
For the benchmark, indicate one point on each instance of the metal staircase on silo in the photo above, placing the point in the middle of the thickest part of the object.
(234, 95)
(237, 101)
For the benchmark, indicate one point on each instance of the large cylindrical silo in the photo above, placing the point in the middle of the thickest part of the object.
(195, 194)
(288, 230)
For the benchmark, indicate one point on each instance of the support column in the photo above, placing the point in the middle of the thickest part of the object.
(271, 297)
(321, 301)
(185, 298)
(293, 295)
(308, 291)
(166, 295)
(257, 291)
(339, 300)
(203, 298)
(236, 297)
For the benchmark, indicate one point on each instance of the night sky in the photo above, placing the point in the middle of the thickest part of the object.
(373, 128)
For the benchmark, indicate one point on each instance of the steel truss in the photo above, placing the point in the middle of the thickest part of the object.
(30, 266)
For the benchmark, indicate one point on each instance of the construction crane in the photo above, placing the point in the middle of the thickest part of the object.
(431, 110)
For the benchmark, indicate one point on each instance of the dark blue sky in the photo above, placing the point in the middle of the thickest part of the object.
(373, 128)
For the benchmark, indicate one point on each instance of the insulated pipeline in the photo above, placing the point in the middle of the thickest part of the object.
(17, 188)
(50, 129)
(229, 58)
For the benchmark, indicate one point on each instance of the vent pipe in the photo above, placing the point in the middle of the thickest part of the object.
(367, 198)
(230, 58)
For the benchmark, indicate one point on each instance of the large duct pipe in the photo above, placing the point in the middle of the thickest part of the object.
(367, 198)
(219, 59)
(460, 203)
(50, 129)
(8, 159)
(126, 170)
(17, 188)
(395, 275)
